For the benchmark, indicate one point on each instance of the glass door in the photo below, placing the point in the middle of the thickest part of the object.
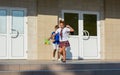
(3, 33)
(17, 34)
(13, 33)
(85, 41)
(91, 39)
(72, 19)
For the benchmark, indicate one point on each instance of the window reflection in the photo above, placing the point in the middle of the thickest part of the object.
(90, 23)
(3, 21)
(18, 21)
(72, 20)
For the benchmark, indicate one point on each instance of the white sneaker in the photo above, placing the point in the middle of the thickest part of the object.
(59, 59)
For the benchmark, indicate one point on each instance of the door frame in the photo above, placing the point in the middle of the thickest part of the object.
(98, 31)
(9, 9)
(80, 30)
(73, 36)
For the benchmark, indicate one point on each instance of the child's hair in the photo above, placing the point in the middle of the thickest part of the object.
(56, 26)
(62, 22)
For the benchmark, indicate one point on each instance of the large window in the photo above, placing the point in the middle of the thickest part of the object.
(18, 20)
(90, 24)
(3, 21)
(72, 20)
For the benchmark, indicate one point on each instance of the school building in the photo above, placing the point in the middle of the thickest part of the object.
(25, 24)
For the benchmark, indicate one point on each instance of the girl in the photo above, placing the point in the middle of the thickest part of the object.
(63, 38)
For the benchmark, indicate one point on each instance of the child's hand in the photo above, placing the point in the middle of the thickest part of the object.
(68, 26)
(48, 39)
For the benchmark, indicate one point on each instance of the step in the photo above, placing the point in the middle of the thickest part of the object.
(72, 72)
(58, 68)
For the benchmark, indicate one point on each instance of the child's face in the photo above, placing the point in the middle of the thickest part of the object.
(62, 25)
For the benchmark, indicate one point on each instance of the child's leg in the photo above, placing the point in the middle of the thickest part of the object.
(61, 51)
(58, 54)
(64, 53)
(54, 53)
(53, 58)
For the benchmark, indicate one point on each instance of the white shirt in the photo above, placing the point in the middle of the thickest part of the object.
(65, 33)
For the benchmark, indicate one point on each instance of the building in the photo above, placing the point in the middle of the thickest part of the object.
(24, 24)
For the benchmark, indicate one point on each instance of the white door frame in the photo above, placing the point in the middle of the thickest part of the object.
(73, 36)
(98, 31)
(80, 13)
(7, 13)
(25, 32)
(9, 9)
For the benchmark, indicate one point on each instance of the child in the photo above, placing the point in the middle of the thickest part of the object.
(63, 33)
(55, 41)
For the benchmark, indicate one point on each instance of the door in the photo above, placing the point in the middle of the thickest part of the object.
(84, 42)
(72, 19)
(13, 34)
(3, 34)
(90, 28)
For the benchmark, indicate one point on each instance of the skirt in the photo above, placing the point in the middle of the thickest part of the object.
(64, 43)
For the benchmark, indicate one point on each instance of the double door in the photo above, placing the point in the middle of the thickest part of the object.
(85, 41)
(13, 33)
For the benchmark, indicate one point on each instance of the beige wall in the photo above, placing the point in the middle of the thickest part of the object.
(112, 29)
(47, 19)
(32, 22)
(50, 11)
(82, 5)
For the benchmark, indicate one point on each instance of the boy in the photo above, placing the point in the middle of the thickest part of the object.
(55, 41)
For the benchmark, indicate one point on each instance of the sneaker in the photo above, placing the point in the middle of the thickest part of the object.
(59, 59)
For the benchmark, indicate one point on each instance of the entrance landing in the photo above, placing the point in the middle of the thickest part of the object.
(71, 67)
(58, 62)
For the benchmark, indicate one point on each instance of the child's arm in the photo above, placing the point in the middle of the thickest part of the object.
(49, 38)
(71, 29)
(52, 37)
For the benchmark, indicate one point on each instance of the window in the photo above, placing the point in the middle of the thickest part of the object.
(72, 20)
(18, 21)
(3, 21)
(90, 24)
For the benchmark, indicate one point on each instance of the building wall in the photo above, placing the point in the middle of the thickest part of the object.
(112, 29)
(43, 15)
(50, 11)
(47, 19)
(32, 22)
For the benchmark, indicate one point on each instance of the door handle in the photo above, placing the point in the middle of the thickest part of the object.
(16, 32)
(86, 34)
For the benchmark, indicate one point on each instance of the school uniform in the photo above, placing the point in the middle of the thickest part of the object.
(63, 36)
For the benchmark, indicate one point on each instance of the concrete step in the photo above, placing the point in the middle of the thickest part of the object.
(59, 67)
(72, 72)
(52, 68)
